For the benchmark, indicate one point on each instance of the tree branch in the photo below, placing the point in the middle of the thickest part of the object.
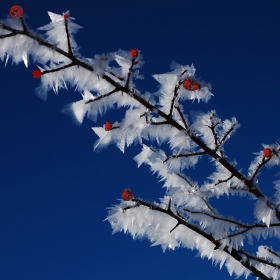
(182, 116)
(102, 96)
(225, 136)
(216, 218)
(176, 88)
(260, 165)
(184, 156)
(70, 51)
(251, 187)
(230, 251)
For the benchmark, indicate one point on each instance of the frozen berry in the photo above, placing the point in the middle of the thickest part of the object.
(108, 126)
(267, 153)
(127, 194)
(191, 85)
(16, 11)
(37, 74)
(134, 53)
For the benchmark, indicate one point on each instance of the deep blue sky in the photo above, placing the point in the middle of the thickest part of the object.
(54, 189)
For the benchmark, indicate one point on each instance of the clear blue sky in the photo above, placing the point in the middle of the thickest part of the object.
(54, 189)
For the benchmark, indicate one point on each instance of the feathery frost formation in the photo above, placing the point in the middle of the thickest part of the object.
(184, 216)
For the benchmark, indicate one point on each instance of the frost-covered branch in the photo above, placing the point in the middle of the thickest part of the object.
(235, 254)
(226, 135)
(258, 168)
(176, 92)
(185, 216)
(212, 127)
(182, 116)
(142, 101)
(185, 156)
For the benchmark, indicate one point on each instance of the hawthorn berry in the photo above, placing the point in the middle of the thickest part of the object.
(127, 194)
(108, 126)
(190, 85)
(66, 16)
(134, 53)
(37, 74)
(267, 153)
(16, 11)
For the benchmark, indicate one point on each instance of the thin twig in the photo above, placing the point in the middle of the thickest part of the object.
(260, 165)
(182, 116)
(102, 96)
(225, 136)
(184, 156)
(224, 181)
(70, 51)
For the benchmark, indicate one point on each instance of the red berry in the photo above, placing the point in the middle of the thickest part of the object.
(134, 53)
(190, 85)
(66, 16)
(127, 194)
(16, 11)
(267, 153)
(37, 74)
(108, 126)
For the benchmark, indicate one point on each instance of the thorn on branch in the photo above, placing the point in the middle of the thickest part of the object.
(178, 223)
(169, 205)
(185, 71)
